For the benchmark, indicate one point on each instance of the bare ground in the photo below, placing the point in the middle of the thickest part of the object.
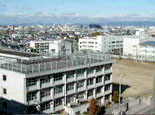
(138, 75)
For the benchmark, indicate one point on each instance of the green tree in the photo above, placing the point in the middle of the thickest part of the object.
(96, 34)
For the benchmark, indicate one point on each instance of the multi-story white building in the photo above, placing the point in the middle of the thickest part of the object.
(53, 83)
(147, 51)
(140, 48)
(106, 44)
(58, 46)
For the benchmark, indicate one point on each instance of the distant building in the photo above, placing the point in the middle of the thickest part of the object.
(57, 46)
(139, 48)
(106, 44)
(54, 83)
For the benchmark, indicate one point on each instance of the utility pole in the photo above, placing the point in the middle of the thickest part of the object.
(120, 88)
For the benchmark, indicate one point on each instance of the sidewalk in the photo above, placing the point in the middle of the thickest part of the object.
(132, 110)
(137, 108)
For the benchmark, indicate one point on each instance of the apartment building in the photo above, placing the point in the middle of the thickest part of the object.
(53, 83)
(58, 46)
(106, 44)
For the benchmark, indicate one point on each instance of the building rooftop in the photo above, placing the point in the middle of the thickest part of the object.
(148, 43)
(17, 53)
(42, 63)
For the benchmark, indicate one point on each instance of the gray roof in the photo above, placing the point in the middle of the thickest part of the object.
(148, 43)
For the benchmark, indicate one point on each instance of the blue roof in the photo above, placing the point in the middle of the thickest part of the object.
(148, 43)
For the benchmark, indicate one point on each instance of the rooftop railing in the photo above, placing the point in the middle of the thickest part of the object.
(52, 63)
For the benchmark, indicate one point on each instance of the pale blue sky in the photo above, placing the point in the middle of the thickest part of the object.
(104, 8)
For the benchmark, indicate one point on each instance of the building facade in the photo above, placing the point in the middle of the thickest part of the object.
(106, 44)
(58, 46)
(51, 83)
(138, 48)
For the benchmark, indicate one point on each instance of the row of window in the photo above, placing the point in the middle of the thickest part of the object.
(88, 42)
(59, 76)
(33, 95)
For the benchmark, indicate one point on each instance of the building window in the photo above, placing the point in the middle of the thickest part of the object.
(80, 72)
(81, 95)
(90, 81)
(58, 77)
(90, 92)
(107, 77)
(99, 79)
(45, 93)
(90, 71)
(70, 86)
(99, 68)
(58, 89)
(58, 102)
(98, 90)
(4, 77)
(70, 74)
(107, 87)
(4, 91)
(31, 96)
(31, 82)
(80, 84)
(45, 106)
(44, 79)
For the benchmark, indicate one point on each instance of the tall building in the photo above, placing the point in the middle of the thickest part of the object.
(106, 44)
(51, 83)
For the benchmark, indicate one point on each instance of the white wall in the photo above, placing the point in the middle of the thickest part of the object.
(14, 84)
(130, 46)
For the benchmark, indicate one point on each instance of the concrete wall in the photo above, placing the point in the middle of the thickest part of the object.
(14, 84)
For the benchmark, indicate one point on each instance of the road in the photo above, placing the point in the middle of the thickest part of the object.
(147, 110)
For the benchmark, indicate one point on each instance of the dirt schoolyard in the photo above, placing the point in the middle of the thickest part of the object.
(138, 75)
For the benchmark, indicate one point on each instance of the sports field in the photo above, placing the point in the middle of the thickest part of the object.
(138, 75)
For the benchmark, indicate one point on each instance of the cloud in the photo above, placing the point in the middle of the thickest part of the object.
(48, 18)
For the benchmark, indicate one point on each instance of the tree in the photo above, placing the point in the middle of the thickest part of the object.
(96, 34)
(92, 107)
(116, 97)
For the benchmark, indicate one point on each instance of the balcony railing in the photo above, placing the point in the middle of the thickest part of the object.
(99, 73)
(80, 77)
(90, 97)
(81, 89)
(57, 95)
(89, 75)
(108, 71)
(45, 85)
(46, 98)
(99, 84)
(58, 108)
(108, 82)
(70, 79)
(70, 92)
(90, 86)
(99, 94)
(108, 92)
(59, 82)
(32, 88)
